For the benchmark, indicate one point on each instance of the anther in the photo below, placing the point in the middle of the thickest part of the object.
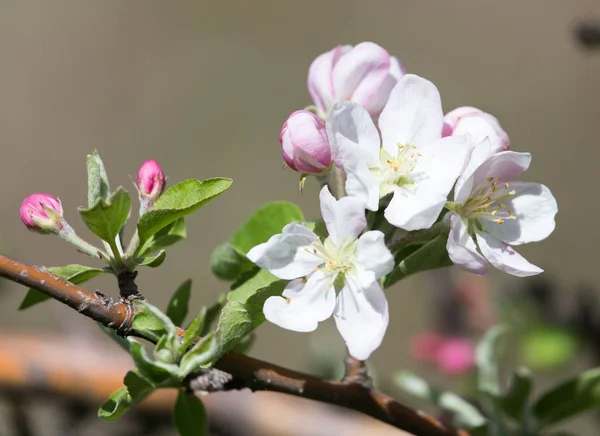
(500, 221)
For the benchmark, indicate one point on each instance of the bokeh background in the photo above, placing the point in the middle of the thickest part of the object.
(204, 87)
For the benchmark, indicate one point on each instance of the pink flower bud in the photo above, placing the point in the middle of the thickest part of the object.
(455, 356)
(42, 213)
(150, 180)
(478, 124)
(424, 346)
(304, 143)
(365, 74)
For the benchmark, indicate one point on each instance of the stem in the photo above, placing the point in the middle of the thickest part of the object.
(68, 234)
(246, 371)
(132, 248)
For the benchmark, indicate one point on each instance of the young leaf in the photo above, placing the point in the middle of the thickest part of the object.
(412, 259)
(74, 273)
(486, 358)
(167, 236)
(177, 309)
(575, 396)
(514, 402)
(154, 371)
(137, 385)
(468, 414)
(227, 263)
(194, 330)
(151, 322)
(151, 261)
(190, 415)
(106, 218)
(200, 354)
(98, 187)
(119, 402)
(264, 223)
(178, 201)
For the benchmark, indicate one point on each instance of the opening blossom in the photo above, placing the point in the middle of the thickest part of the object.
(478, 124)
(491, 212)
(411, 160)
(304, 143)
(42, 213)
(365, 74)
(342, 262)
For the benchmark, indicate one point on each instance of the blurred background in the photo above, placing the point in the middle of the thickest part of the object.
(203, 88)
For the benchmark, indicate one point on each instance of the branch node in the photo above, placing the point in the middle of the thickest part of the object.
(127, 287)
(356, 372)
(212, 380)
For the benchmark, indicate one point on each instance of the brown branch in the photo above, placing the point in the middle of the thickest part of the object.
(246, 371)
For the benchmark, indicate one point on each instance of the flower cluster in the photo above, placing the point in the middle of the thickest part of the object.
(382, 135)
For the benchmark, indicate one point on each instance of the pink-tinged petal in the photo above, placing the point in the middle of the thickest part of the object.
(287, 255)
(504, 257)
(435, 172)
(455, 356)
(412, 115)
(303, 305)
(507, 165)
(464, 184)
(150, 180)
(351, 130)
(320, 77)
(358, 75)
(361, 316)
(478, 124)
(41, 213)
(376, 104)
(344, 218)
(534, 207)
(304, 144)
(424, 346)
(361, 182)
(462, 249)
(373, 255)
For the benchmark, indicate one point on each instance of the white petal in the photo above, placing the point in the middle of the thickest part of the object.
(462, 249)
(507, 165)
(351, 130)
(344, 218)
(373, 255)
(361, 182)
(503, 257)
(481, 152)
(359, 73)
(361, 316)
(286, 255)
(435, 172)
(534, 206)
(320, 76)
(481, 125)
(304, 305)
(412, 115)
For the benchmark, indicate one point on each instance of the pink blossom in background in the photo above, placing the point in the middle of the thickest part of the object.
(455, 356)
(424, 346)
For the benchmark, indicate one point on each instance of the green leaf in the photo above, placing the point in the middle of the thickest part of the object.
(119, 402)
(190, 415)
(548, 347)
(249, 283)
(467, 414)
(167, 236)
(227, 263)
(151, 261)
(264, 223)
(411, 259)
(98, 187)
(154, 371)
(151, 322)
(177, 309)
(486, 358)
(200, 354)
(178, 201)
(194, 330)
(74, 273)
(575, 396)
(212, 314)
(514, 401)
(137, 386)
(106, 218)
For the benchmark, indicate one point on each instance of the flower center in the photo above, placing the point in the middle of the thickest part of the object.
(486, 202)
(397, 170)
(338, 259)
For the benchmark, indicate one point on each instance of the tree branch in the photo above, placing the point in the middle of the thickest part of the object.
(246, 371)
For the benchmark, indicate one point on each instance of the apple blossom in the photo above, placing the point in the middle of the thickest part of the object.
(42, 213)
(478, 124)
(304, 143)
(342, 262)
(415, 163)
(150, 183)
(364, 74)
(491, 212)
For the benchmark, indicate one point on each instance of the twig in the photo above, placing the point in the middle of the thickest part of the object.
(246, 371)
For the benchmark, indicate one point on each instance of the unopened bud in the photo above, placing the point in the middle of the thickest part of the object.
(42, 213)
(150, 180)
(304, 143)
(478, 124)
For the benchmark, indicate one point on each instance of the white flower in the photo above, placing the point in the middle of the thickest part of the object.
(491, 212)
(342, 262)
(414, 163)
